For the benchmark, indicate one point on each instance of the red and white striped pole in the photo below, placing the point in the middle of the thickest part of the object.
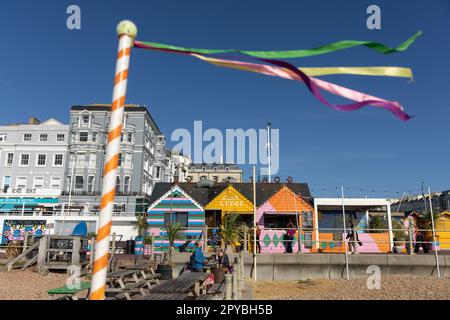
(126, 31)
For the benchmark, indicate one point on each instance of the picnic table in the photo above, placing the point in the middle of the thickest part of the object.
(146, 271)
(126, 282)
(70, 293)
(187, 283)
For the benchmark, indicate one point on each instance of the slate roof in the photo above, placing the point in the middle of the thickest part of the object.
(204, 195)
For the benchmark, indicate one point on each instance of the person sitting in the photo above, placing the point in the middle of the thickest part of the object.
(197, 259)
(223, 259)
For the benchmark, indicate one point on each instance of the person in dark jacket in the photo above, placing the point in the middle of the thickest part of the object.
(223, 259)
(351, 238)
(421, 239)
(258, 245)
(289, 238)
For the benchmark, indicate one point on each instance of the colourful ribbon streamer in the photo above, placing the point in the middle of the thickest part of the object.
(360, 71)
(287, 71)
(283, 54)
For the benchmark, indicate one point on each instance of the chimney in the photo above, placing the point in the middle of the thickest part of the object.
(33, 120)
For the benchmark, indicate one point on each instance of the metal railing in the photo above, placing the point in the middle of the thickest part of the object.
(339, 237)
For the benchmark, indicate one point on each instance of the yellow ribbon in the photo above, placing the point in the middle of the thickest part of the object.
(320, 71)
(361, 71)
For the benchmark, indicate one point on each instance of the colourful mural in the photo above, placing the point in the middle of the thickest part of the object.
(15, 229)
(175, 207)
(371, 242)
(281, 208)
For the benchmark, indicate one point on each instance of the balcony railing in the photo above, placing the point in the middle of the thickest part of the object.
(97, 193)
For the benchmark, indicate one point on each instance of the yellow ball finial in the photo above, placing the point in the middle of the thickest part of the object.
(127, 27)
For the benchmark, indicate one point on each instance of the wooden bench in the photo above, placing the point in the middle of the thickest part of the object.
(187, 283)
(66, 293)
(217, 288)
(163, 296)
(205, 297)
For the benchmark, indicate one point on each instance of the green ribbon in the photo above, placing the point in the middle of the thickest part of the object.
(332, 47)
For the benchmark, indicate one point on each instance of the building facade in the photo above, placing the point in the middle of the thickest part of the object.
(32, 161)
(177, 167)
(87, 147)
(216, 172)
(440, 202)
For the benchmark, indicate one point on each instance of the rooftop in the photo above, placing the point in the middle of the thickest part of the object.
(211, 166)
(130, 107)
(203, 195)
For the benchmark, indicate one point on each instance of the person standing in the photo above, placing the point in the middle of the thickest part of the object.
(258, 245)
(289, 237)
(351, 238)
(421, 240)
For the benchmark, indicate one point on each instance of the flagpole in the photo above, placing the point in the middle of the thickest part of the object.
(434, 234)
(254, 224)
(345, 232)
(269, 153)
(127, 31)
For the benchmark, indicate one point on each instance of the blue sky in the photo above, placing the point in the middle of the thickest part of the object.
(46, 68)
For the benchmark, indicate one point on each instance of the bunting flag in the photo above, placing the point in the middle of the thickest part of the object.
(305, 75)
(285, 54)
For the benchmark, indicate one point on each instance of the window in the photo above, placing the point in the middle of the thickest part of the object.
(58, 160)
(79, 182)
(120, 160)
(94, 137)
(278, 221)
(117, 184)
(83, 136)
(81, 160)
(85, 119)
(24, 160)
(203, 178)
(43, 137)
(126, 184)
(69, 183)
(60, 137)
(307, 219)
(158, 172)
(38, 182)
(129, 137)
(176, 218)
(92, 160)
(90, 185)
(6, 183)
(128, 160)
(40, 160)
(9, 159)
(27, 137)
(2, 137)
(55, 183)
(21, 182)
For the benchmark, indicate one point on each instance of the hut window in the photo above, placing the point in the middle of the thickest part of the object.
(278, 221)
(307, 219)
(176, 217)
